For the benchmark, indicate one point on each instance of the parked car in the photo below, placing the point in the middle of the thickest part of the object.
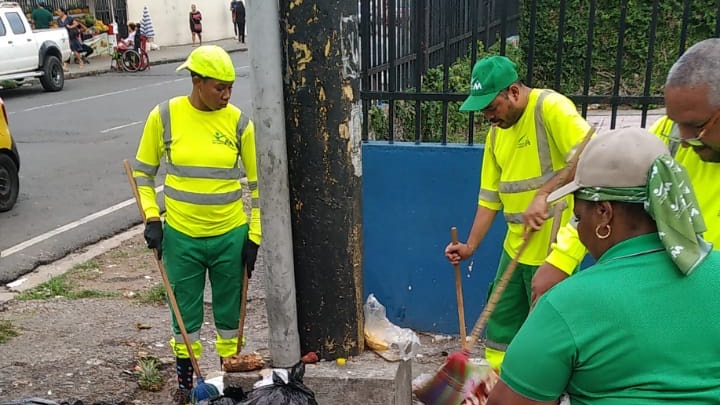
(31, 54)
(9, 164)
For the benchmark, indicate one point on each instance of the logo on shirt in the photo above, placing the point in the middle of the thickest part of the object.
(220, 139)
(523, 141)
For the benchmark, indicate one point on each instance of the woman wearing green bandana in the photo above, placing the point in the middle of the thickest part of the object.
(642, 325)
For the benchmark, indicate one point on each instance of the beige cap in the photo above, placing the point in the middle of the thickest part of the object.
(619, 158)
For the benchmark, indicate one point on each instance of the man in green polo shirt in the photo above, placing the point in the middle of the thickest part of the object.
(41, 17)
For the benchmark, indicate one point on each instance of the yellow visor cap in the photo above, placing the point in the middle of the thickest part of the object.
(210, 61)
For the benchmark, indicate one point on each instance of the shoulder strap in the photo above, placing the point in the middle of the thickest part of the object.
(242, 124)
(164, 110)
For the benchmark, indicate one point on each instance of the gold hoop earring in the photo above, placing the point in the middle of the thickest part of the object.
(597, 231)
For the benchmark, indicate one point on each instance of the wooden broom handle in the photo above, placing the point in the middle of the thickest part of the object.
(495, 297)
(243, 308)
(163, 273)
(459, 293)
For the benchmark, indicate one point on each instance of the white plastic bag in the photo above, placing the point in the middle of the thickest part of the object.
(387, 339)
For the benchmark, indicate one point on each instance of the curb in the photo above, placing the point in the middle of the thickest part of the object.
(161, 61)
(45, 272)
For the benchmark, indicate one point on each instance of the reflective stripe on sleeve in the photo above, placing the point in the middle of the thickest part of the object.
(145, 181)
(145, 168)
(489, 196)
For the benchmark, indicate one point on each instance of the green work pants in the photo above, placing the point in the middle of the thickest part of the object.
(513, 307)
(188, 261)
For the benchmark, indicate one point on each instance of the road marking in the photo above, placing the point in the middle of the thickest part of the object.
(105, 131)
(42, 107)
(47, 235)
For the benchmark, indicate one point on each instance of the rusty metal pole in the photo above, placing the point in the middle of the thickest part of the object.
(323, 124)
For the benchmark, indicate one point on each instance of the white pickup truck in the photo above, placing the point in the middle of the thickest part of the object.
(30, 54)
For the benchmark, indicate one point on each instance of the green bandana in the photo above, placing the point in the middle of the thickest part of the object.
(671, 202)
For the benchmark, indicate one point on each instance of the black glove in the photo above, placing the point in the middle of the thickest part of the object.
(249, 255)
(154, 236)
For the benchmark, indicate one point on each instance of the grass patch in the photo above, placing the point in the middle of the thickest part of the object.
(60, 287)
(7, 331)
(89, 270)
(155, 295)
(118, 254)
(88, 265)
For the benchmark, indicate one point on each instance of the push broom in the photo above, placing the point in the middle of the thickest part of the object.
(449, 386)
(201, 391)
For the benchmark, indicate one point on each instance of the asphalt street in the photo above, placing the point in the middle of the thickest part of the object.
(73, 189)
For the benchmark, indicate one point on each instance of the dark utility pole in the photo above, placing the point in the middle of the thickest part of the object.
(323, 117)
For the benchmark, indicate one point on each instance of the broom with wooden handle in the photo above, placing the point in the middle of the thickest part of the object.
(202, 390)
(446, 386)
(459, 293)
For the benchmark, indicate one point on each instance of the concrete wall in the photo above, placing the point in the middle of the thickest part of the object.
(412, 195)
(170, 19)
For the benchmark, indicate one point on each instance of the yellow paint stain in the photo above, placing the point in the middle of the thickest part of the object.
(344, 130)
(303, 54)
(327, 47)
(321, 94)
(291, 29)
(295, 3)
(347, 92)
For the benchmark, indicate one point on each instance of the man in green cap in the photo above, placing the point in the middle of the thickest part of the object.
(533, 132)
(206, 231)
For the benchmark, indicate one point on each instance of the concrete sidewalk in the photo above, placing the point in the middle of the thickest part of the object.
(167, 54)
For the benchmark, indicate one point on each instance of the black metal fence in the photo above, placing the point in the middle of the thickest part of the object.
(410, 51)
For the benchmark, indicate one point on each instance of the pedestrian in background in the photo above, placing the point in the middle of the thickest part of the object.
(41, 17)
(233, 6)
(206, 230)
(195, 24)
(73, 28)
(239, 18)
(533, 131)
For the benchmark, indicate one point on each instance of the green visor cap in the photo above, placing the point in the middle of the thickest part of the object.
(490, 76)
(210, 61)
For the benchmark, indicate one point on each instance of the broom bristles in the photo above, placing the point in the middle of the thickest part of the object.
(203, 391)
(455, 381)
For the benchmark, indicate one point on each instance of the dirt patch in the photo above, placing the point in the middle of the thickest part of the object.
(86, 349)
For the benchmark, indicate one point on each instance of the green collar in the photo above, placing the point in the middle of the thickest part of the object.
(635, 246)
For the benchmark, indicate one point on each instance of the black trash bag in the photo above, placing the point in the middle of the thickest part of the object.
(280, 393)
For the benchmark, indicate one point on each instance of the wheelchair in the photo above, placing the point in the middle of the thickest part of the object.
(131, 59)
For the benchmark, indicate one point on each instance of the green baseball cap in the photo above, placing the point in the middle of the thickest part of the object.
(490, 76)
(210, 61)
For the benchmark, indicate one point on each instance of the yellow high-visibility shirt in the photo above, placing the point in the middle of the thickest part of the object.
(517, 161)
(569, 251)
(703, 175)
(202, 187)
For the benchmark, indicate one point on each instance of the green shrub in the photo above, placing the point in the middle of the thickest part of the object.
(431, 112)
(636, 41)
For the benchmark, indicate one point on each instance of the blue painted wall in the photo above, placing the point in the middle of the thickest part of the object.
(412, 195)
